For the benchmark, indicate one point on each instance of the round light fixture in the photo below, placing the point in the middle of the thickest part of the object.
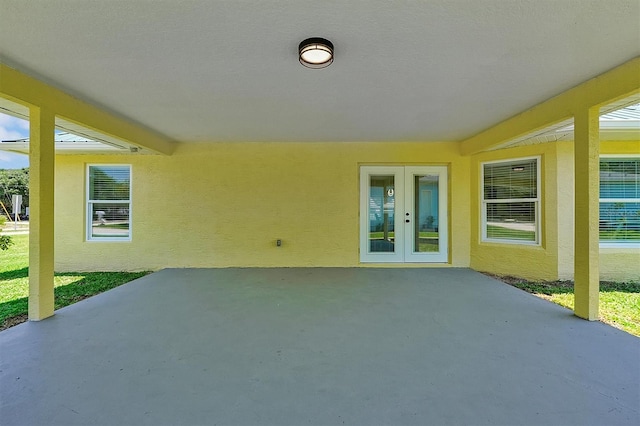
(315, 52)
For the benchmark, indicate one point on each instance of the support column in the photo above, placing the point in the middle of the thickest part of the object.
(587, 213)
(565, 211)
(41, 192)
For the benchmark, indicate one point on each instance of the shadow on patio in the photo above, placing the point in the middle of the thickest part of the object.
(317, 346)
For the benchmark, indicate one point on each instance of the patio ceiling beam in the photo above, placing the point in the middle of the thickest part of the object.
(23, 89)
(615, 84)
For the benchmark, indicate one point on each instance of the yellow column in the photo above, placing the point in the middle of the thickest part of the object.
(41, 190)
(587, 193)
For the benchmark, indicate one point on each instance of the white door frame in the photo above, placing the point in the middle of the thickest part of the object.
(365, 248)
(403, 204)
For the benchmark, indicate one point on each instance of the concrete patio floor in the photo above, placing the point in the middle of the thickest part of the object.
(320, 347)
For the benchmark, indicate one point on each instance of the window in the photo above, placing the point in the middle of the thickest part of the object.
(109, 203)
(620, 200)
(511, 201)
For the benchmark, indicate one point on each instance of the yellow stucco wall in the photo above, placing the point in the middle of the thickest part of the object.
(554, 258)
(224, 205)
(527, 261)
(565, 197)
(618, 264)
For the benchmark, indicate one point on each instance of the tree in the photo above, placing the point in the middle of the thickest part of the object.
(105, 186)
(14, 182)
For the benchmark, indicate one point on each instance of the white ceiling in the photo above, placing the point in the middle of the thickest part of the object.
(403, 70)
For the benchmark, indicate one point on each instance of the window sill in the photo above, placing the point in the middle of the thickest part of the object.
(512, 243)
(619, 245)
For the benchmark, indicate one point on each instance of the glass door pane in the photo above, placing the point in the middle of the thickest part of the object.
(403, 214)
(382, 233)
(382, 203)
(426, 214)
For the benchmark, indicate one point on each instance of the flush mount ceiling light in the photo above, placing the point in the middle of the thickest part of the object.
(315, 52)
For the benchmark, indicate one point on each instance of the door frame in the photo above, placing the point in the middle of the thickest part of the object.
(403, 203)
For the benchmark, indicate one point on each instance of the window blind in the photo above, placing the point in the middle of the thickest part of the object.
(109, 201)
(620, 200)
(510, 180)
(510, 200)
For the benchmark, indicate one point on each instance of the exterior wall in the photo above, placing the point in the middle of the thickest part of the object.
(520, 260)
(566, 206)
(620, 264)
(224, 205)
(554, 258)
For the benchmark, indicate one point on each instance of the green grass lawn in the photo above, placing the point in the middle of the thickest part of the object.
(68, 287)
(621, 234)
(114, 225)
(427, 241)
(619, 302)
(376, 235)
(501, 232)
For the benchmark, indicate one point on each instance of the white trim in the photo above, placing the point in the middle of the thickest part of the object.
(398, 182)
(619, 156)
(619, 245)
(537, 203)
(619, 200)
(442, 255)
(89, 203)
(403, 203)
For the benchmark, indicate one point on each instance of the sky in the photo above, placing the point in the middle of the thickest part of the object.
(12, 128)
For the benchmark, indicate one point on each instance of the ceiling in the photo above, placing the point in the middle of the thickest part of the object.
(197, 70)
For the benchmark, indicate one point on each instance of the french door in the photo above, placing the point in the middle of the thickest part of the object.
(403, 214)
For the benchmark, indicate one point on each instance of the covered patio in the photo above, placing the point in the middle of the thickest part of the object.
(319, 346)
(213, 123)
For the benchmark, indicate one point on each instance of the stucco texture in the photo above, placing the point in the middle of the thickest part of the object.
(554, 258)
(620, 264)
(225, 204)
(521, 260)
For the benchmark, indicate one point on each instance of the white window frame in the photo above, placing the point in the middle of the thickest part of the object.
(537, 203)
(610, 243)
(89, 202)
(403, 186)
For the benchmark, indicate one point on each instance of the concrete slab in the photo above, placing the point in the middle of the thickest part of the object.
(319, 347)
